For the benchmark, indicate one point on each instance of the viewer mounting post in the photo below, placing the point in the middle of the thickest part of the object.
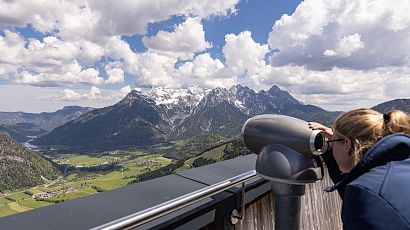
(288, 157)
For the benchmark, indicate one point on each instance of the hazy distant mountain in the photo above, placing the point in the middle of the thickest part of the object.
(22, 168)
(401, 104)
(22, 132)
(135, 121)
(47, 121)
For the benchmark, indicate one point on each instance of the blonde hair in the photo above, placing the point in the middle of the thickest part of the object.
(364, 127)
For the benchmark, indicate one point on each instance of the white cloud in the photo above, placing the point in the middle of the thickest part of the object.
(67, 95)
(89, 52)
(86, 76)
(155, 70)
(49, 62)
(187, 39)
(67, 75)
(337, 88)
(133, 17)
(119, 94)
(204, 71)
(209, 8)
(52, 51)
(125, 90)
(96, 19)
(42, 14)
(82, 32)
(118, 49)
(203, 66)
(331, 52)
(115, 75)
(12, 48)
(94, 94)
(6, 70)
(71, 95)
(362, 35)
(243, 55)
(347, 46)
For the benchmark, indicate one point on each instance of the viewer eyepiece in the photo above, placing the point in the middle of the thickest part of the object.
(294, 133)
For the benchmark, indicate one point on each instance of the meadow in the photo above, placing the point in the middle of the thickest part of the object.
(82, 183)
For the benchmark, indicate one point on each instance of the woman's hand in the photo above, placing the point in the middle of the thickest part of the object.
(328, 131)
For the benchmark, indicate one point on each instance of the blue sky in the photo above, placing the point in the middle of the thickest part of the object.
(337, 54)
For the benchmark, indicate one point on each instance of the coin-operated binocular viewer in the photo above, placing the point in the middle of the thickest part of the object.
(288, 157)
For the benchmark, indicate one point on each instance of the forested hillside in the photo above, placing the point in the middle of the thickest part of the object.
(22, 168)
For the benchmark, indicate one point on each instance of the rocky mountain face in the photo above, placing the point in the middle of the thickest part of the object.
(274, 100)
(46, 121)
(179, 103)
(157, 116)
(218, 112)
(22, 168)
(135, 121)
(277, 101)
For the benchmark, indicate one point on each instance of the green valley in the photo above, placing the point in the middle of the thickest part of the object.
(76, 183)
(82, 175)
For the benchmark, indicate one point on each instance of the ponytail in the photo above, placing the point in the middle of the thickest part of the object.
(364, 127)
(396, 121)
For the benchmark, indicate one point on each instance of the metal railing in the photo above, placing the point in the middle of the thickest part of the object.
(157, 211)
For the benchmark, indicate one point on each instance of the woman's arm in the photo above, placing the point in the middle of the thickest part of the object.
(334, 172)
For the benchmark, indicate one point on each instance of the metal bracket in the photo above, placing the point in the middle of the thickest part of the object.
(235, 216)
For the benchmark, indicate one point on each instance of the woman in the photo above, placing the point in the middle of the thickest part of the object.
(372, 174)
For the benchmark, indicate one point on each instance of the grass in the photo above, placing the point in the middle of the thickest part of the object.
(5, 210)
(111, 180)
(4, 201)
(16, 207)
(18, 196)
(71, 176)
(31, 203)
(86, 183)
(84, 160)
(34, 190)
(215, 153)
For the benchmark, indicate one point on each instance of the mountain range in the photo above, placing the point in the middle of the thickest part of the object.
(45, 120)
(25, 126)
(158, 116)
(161, 115)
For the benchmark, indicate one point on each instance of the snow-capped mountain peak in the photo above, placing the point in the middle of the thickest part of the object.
(218, 95)
(170, 97)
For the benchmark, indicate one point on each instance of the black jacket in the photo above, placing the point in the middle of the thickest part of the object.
(376, 192)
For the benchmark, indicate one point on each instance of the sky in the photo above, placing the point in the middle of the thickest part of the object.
(336, 54)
